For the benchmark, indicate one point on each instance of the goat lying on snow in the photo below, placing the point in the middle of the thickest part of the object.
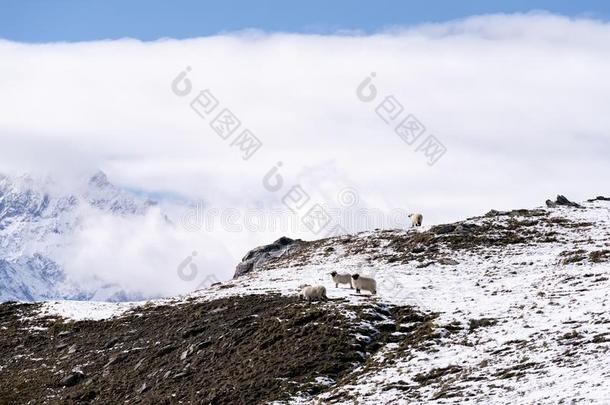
(364, 283)
(341, 279)
(313, 292)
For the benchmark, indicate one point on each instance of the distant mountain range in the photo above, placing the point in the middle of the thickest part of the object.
(37, 221)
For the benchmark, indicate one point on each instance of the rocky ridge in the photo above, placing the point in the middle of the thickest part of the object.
(508, 307)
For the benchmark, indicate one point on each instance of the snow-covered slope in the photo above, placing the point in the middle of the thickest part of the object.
(523, 304)
(516, 310)
(36, 222)
(522, 299)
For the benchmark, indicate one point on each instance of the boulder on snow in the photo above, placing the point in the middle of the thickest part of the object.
(562, 200)
(255, 258)
(493, 213)
(599, 198)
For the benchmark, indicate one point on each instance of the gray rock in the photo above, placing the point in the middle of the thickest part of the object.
(466, 228)
(599, 198)
(116, 359)
(562, 200)
(187, 352)
(443, 229)
(165, 350)
(143, 388)
(111, 343)
(193, 331)
(257, 257)
(72, 379)
(203, 345)
(139, 364)
(448, 262)
(61, 346)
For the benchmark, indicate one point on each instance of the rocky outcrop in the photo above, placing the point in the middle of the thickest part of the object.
(562, 201)
(263, 254)
(599, 198)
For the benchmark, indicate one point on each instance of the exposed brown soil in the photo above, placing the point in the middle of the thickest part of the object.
(475, 324)
(573, 256)
(436, 374)
(239, 350)
(516, 371)
(600, 256)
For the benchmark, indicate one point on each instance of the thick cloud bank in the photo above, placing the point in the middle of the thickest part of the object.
(519, 103)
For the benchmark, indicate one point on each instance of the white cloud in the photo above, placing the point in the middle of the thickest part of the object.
(140, 254)
(518, 100)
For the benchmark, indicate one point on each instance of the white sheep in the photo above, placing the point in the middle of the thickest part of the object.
(341, 279)
(364, 283)
(313, 292)
(416, 219)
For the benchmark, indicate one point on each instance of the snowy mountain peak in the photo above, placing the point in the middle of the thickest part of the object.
(36, 222)
(99, 179)
(107, 197)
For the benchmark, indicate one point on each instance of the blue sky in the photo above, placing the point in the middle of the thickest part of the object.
(75, 20)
